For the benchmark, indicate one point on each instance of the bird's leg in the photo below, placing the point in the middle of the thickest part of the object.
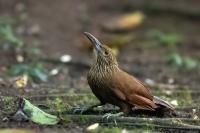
(125, 109)
(82, 110)
(111, 116)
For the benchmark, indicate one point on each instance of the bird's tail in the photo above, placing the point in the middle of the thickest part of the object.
(163, 103)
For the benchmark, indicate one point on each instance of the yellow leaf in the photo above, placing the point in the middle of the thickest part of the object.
(130, 20)
(21, 81)
(124, 22)
(16, 131)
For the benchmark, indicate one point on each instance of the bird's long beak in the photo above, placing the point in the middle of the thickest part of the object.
(94, 41)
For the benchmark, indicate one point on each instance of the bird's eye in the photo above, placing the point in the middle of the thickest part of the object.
(106, 52)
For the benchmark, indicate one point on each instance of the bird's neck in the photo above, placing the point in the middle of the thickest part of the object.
(100, 75)
(105, 71)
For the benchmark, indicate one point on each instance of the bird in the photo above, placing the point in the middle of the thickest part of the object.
(112, 85)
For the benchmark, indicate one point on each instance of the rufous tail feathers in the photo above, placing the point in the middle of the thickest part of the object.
(159, 101)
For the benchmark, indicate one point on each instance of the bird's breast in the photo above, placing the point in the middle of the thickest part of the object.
(98, 80)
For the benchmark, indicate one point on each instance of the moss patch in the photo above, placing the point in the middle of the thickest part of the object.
(8, 105)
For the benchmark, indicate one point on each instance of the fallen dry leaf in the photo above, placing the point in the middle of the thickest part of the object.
(124, 23)
(21, 81)
(16, 131)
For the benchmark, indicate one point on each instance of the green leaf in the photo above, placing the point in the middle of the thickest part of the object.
(190, 63)
(165, 39)
(38, 73)
(186, 63)
(38, 116)
(34, 70)
(17, 69)
(7, 35)
(170, 39)
(175, 60)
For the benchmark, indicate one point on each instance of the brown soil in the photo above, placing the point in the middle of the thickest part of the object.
(63, 22)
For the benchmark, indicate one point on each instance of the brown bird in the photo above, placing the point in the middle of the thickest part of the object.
(112, 85)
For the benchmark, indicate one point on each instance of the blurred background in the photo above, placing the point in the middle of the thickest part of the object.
(157, 41)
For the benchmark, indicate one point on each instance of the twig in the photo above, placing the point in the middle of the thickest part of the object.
(169, 122)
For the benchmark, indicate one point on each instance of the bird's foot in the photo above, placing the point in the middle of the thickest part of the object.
(80, 110)
(112, 117)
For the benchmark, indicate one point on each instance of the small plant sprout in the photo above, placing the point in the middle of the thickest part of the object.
(35, 71)
(175, 60)
(165, 39)
(180, 62)
(7, 36)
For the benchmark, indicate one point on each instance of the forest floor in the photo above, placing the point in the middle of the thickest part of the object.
(58, 26)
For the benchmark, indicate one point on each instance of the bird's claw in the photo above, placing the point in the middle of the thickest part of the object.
(110, 116)
(80, 110)
(107, 116)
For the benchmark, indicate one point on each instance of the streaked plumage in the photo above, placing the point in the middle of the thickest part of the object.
(112, 85)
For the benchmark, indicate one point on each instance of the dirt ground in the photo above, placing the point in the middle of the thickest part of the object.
(62, 23)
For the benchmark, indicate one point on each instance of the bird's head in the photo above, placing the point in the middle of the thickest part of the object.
(105, 56)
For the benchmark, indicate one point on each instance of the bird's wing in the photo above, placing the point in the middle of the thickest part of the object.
(130, 89)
